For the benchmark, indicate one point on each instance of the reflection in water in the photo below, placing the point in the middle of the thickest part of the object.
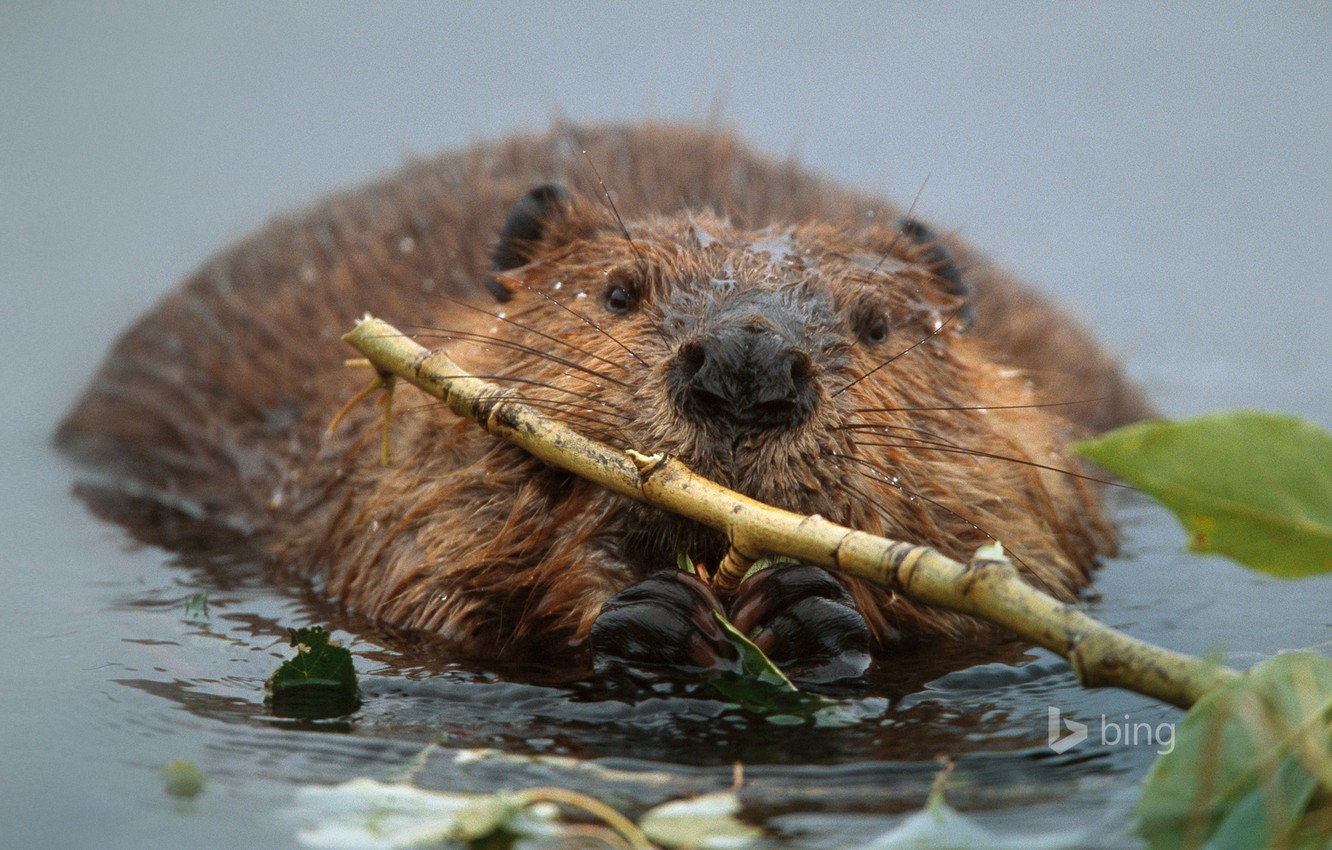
(634, 746)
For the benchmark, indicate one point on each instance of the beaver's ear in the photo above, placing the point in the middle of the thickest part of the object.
(940, 260)
(532, 218)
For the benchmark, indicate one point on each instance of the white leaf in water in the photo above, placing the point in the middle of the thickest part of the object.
(939, 827)
(707, 822)
(367, 815)
(576, 768)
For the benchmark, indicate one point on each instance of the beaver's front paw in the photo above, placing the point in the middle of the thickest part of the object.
(664, 621)
(805, 621)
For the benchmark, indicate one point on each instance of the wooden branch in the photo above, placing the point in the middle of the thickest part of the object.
(989, 587)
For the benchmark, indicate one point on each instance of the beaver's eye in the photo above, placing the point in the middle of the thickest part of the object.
(617, 299)
(873, 329)
(622, 289)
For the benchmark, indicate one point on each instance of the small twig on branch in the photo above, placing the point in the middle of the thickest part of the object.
(989, 587)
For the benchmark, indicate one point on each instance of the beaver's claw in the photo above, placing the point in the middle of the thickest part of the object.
(800, 616)
(805, 621)
(664, 621)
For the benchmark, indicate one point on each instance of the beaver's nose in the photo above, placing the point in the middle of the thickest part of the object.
(747, 373)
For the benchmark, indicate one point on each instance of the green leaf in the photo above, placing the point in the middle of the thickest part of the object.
(1256, 487)
(182, 778)
(706, 822)
(761, 687)
(1251, 764)
(752, 660)
(196, 607)
(320, 682)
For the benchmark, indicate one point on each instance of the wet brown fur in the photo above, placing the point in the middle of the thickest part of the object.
(217, 400)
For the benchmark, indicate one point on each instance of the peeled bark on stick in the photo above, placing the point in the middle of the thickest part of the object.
(988, 587)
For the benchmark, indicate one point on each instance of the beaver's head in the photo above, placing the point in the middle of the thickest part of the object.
(821, 369)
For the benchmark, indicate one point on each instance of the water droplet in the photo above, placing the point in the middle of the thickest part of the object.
(406, 244)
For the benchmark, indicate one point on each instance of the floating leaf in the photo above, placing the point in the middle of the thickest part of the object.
(182, 778)
(320, 682)
(371, 815)
(196, 607)
(707, 822)
(1256, 487)
(940, 827)
(1252, 764)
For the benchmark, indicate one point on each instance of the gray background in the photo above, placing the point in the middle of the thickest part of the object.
(1164, 170)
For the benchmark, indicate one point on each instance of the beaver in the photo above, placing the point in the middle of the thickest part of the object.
(657, 287)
